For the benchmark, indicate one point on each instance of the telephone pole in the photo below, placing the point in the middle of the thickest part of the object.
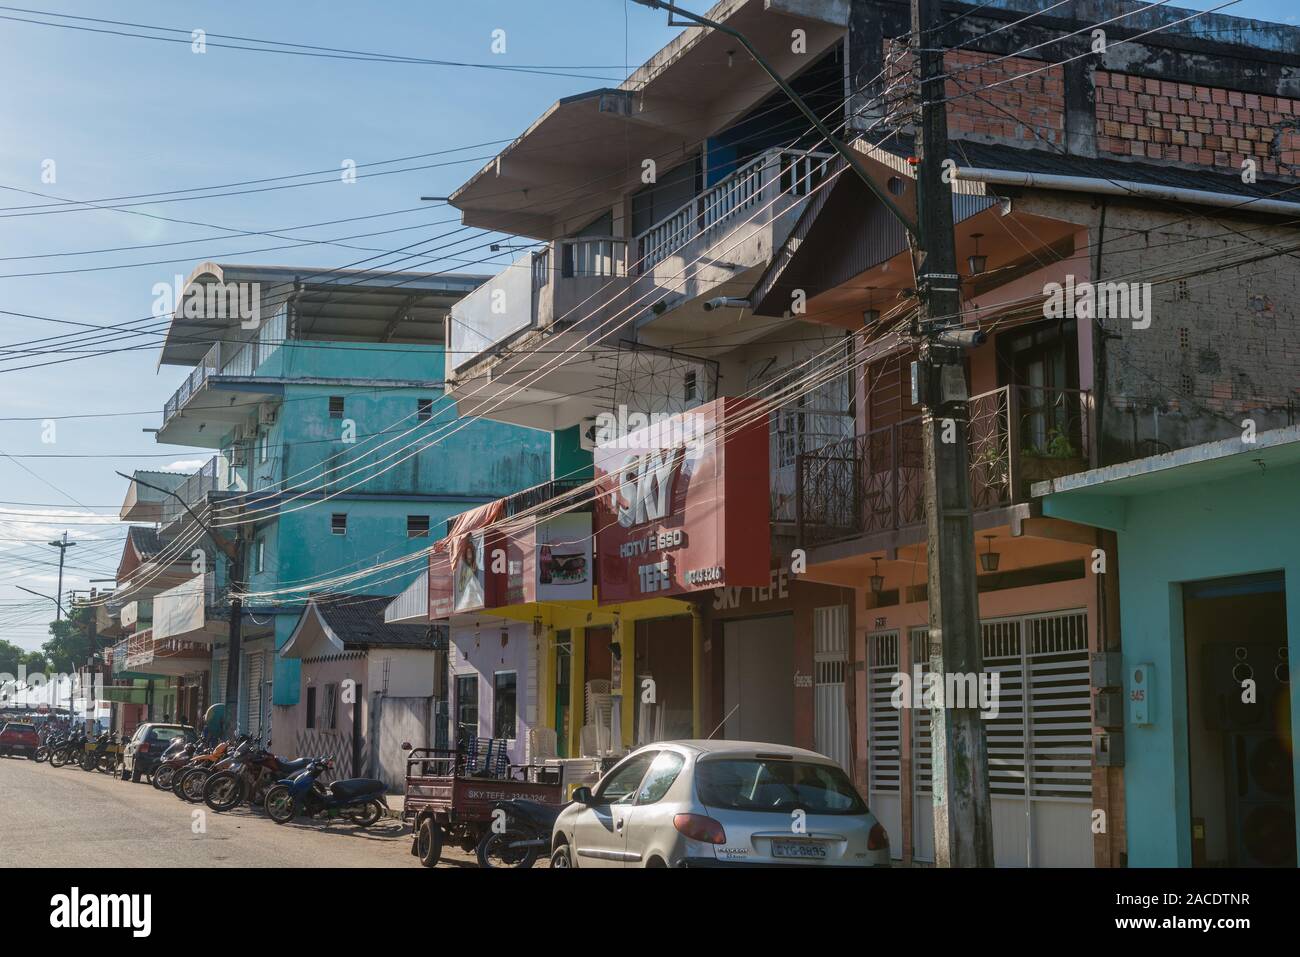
(963, 828)
(62, 545)
(234, 552)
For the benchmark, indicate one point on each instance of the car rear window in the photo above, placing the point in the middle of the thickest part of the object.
(165, 734)
(18, 727)
(776, 786)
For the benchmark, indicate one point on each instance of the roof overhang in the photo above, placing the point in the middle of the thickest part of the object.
(338, 304)
(1099, 496)
(311, 636)
(596, 141)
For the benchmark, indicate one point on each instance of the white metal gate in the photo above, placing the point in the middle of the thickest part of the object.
(830, 663)
(1039, 745)
(253, 694)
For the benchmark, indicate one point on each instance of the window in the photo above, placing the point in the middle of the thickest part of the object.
(263, 445)
(417, 526)
(423, 410)
(336, 407)
(467, 706)
(621, 784)
(776, 786)
(663, 772)
(504, 701)
(330, 717)
(339, 523)
(259, 562)
(688, 386)
(311, 707)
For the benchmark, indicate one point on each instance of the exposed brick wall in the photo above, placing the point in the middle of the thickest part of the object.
(1023, 110)
(1199, 125)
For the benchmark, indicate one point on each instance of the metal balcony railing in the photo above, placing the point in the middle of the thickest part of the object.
(192, 491)
(779, 177)
(241, 358)
(873, 482)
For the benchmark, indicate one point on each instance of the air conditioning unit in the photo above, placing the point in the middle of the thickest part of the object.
(587, 430)
(266, 414)
(238, 456)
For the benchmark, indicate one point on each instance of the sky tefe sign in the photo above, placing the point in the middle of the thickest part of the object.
(676, 517)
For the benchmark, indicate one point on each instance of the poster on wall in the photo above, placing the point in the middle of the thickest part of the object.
(468, 576)
(564, 559)
(682, 504)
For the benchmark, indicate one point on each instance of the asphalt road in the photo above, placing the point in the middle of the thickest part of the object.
(66, 817)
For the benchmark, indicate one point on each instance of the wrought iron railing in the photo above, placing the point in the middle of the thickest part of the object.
(874, 482)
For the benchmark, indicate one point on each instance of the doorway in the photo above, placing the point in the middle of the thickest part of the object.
(758, 670)
(1239, 722)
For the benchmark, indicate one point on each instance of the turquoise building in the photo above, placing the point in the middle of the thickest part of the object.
(336, 453)
(1209, 598)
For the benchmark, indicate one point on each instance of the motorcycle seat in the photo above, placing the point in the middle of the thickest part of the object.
(290, 767)
(356, 787)
(537, 811)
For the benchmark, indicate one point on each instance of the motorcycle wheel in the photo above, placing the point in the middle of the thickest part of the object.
(223, 791)
(107, 763)
(371, 812)
(88, 761)
(42, 754)
(58, 758)
(280, 804)
(428, 843)
(164, 778)
(190, 785)
(494, 851)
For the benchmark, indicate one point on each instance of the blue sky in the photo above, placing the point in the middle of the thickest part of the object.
(121, 116)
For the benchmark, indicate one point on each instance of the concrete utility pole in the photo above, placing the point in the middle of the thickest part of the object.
(62, 545)
(234, 552)
(963, 828)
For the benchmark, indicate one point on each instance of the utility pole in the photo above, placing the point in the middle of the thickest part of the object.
(234, 552)
(963, 828)
(62, 545)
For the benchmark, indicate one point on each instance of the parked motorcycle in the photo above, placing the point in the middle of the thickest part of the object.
(359, 800)
(69, 751)
(104, 754)
(177, 755)
(248, 778)
(520, 833)
(189, 781)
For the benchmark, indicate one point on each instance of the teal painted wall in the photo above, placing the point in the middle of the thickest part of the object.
(1234, 527)
(365, 456)
(570, 459)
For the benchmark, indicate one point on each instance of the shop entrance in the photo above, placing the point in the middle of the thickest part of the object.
(1239, 751)
(758, 670)
(665, 667)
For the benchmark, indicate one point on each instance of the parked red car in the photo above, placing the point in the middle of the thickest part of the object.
(16, 739)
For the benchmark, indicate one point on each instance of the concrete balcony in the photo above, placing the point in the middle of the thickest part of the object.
(223, 385)
(594, 297)
(165, 656)
(189, 613)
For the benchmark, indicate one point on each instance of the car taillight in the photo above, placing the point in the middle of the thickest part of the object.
(143, 748)
(877, 840)
(698, 827)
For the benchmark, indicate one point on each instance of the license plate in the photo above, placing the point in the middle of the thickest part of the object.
(799, 850)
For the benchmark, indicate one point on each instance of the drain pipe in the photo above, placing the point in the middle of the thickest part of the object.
(1128, 188)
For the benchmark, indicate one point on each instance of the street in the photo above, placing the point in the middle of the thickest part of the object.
(68, 818)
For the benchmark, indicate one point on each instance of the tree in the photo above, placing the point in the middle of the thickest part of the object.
(67, 649)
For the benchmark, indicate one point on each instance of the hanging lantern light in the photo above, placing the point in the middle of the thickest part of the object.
(977, 262)
(877, 580)
(989, 560)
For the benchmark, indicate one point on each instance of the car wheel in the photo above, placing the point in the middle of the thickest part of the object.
(560, 857)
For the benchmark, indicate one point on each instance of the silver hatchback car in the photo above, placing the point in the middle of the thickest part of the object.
(719, 803)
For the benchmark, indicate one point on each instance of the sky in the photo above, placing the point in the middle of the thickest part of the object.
(90, 114)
